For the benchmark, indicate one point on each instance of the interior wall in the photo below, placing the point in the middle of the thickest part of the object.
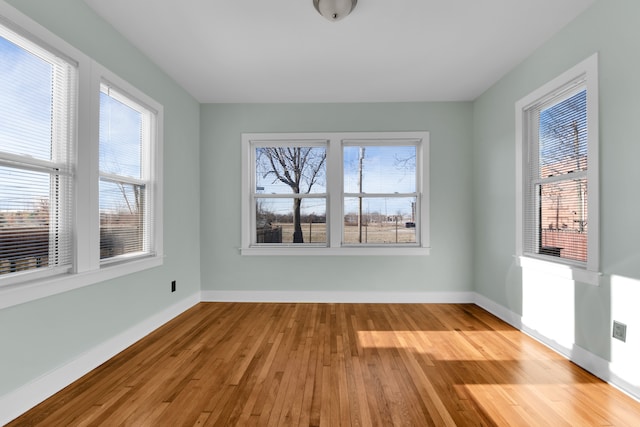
(447, 269)
(472, 204)
(573, 315)
(43, 335)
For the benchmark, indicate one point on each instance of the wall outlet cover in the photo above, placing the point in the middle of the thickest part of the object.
(619, 331)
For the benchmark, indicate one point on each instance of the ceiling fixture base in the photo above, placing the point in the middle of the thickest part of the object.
(334, 10)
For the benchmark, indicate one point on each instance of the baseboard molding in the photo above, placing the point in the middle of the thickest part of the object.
(14, 404)
(593, 363)
(604, 370)
(339, 297)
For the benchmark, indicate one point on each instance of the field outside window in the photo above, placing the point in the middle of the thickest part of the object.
(334, 191)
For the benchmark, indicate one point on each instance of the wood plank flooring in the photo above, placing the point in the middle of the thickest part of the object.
(227, 364)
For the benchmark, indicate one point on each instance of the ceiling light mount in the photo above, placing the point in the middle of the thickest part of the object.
(334, 10)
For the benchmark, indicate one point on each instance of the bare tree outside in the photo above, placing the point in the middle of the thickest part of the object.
(300, 168)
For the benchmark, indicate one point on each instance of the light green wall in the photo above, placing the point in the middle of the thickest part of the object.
(42, 335)
(472, 195)
(610, 27)
(448, 268)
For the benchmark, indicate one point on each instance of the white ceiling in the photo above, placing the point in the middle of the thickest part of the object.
(386, 50)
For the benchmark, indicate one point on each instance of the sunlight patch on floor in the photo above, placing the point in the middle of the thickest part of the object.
(457, 345)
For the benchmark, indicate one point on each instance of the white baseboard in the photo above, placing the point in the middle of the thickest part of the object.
(593, 363)
(339, 297)
(14, 404)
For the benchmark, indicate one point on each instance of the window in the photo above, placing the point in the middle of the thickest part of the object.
(37, 106)
(290, 189)
(126, 134)
(335, 193)
(380, 193)
(557, 164)
(80, 168)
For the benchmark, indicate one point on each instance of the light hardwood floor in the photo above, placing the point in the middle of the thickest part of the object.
(228, 364)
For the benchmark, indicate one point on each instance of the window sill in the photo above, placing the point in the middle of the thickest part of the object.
(342, 251)
(23, 292)
(565, 271)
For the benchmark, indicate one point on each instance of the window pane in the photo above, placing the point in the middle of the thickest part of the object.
(379, 220)
(36, 118)
(375, 169)
(563, 137)
(287, 170)
(121, 137)
(125, 143)
(26, 100)
(24, 220)
(122, 208)
(276, 221)
(563, 219)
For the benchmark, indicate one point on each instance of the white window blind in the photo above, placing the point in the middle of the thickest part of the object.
(126, 217)
(37, 110)
(556, 220)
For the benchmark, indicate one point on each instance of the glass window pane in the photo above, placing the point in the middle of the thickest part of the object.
(26, 100)
(122, 209)
(379, 220)
(375, 169)
(24, 219)
(276, 221)
(563, 219)
(563, 137)
(287, 170)
(121, 136)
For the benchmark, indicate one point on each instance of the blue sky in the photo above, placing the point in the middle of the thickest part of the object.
(120, 145)
(26, 83)
(120, 152)
(25, 102)
(24, 105)
(557, 136)
(384, 170)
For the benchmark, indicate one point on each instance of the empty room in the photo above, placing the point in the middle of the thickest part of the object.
(319, 212)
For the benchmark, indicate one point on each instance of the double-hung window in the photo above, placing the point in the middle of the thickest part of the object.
(557, 152)
(80, 167)
(127, 129)
(335, 193)
(37, 110)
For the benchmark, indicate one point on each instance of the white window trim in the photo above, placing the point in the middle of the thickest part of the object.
(334, 141)
(87, 269)
(587, 70)
(151, 157)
